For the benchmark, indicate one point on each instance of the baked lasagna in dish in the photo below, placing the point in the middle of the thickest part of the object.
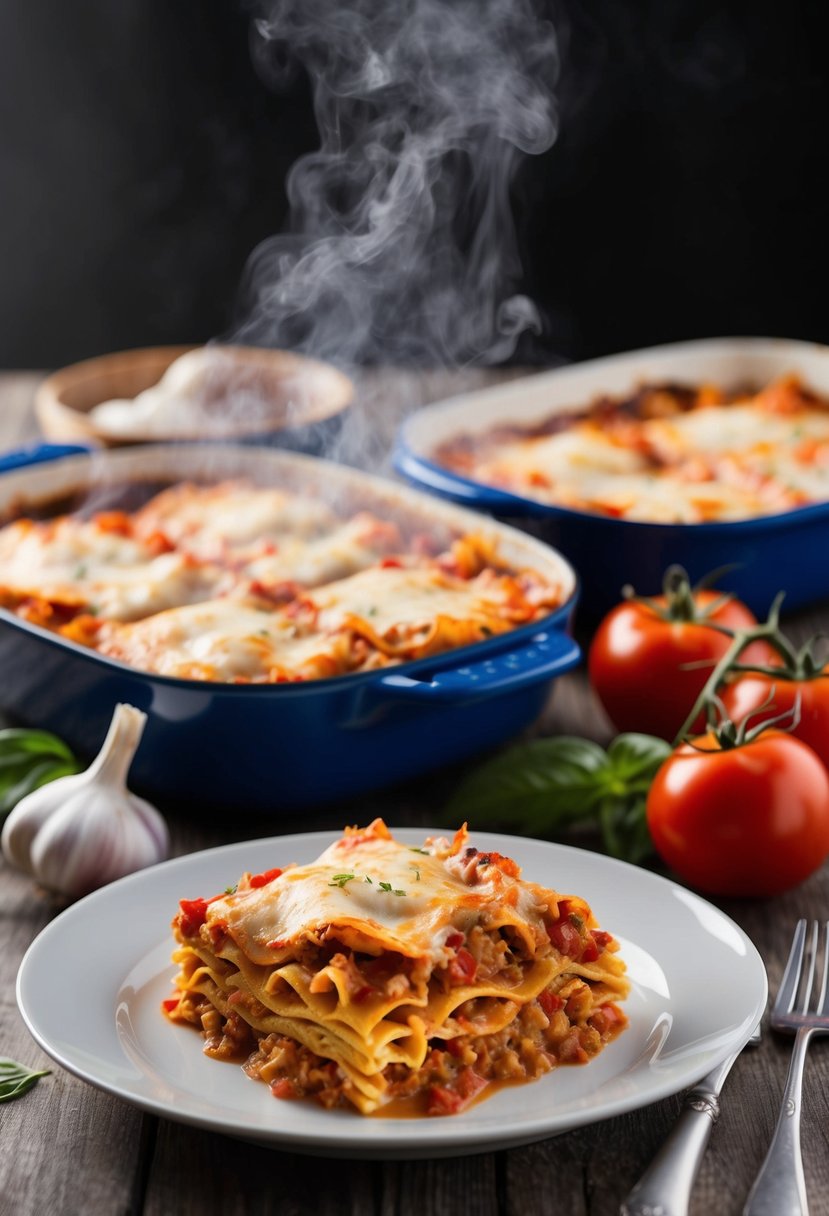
(668, 454)
(395, 979)
(243, 584)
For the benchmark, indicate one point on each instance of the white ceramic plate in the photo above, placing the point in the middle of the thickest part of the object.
(91, 985)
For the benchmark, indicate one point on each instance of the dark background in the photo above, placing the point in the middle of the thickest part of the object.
(141, 159)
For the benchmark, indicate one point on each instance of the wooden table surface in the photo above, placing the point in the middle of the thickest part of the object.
(69, 1149)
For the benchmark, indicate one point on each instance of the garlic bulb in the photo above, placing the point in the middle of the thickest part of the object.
(80, 832)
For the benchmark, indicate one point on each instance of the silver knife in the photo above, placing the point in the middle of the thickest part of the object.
(665, 1187)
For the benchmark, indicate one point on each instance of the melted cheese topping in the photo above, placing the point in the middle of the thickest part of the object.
(222, 640)
(388, 896)
(81, 563)
(714, 461)
(344, 550)
(234, 516)
(237, 583)
(407, 598)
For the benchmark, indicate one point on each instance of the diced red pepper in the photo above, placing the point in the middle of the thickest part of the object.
(192, 916)
(261, 880)
(454, 940)
(607, 1017)
(194, 913)
(601, 938)
(463, 968)
(391, 563)
(442, 1101)
(566, 938)
(469, 1084)
(170, 1003)
(117, 522)
(159, 543)
(505, 864)
(590, 952)
(550, 1002)
(284, 1088)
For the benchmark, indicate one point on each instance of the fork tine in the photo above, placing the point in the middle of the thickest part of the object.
(787, 991)
(824, 987)
(811, 954)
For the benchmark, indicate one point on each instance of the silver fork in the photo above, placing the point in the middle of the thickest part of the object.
(780, 1188)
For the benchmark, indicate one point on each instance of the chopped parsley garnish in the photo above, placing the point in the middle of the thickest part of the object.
(389, 889)
(339, 880)
(230, 890)
(413, 866)
(367, 879)
(412, 849)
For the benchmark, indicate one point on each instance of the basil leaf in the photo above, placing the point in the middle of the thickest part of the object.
(636, 758)
(16, 1079)
(20, 740)
(537, 784)
(29, 759)
(624, 829)
(551, 784)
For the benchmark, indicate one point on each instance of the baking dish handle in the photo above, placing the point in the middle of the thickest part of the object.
(38, 453)
(542, 657)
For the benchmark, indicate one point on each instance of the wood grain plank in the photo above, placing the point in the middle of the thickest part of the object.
(461, 1184)
(195, 1173)
(67, 1148)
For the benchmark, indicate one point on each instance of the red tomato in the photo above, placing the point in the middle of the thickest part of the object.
(637, 656)
(749, 692)
(744, 821)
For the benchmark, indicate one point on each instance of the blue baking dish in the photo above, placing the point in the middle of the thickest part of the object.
(764, 555)
(273, 748)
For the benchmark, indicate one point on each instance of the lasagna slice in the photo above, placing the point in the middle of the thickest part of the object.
(408, 609)
(347, 548)
(230, 641)
(382, 974)
(50, 571)
(232, 518)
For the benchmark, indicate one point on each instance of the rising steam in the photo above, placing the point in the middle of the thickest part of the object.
(402, 246)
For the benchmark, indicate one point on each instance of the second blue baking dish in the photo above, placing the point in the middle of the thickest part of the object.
(764, 555)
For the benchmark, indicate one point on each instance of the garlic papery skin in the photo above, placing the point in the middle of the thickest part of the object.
(28, 817)
(81, 832)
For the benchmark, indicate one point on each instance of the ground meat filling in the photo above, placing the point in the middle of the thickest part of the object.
(567, 1023)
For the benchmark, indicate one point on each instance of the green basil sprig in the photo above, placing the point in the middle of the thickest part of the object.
(29, 759)
(16, 1079)
(548, 785)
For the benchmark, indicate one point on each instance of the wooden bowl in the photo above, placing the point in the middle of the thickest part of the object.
(285, 417)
